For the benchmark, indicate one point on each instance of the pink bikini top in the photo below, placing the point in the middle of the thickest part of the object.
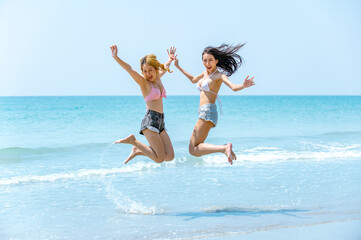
(155, 94)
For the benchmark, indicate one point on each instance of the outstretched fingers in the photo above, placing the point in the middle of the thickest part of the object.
(114, 50)
(251, 81)
(176, 60)
(248, 82)
(171, 52)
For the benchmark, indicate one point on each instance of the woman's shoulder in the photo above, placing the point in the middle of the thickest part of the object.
(145, 85)
(218, 75)
(159, 82)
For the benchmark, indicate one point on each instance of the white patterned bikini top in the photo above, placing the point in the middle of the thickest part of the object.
(203, 85)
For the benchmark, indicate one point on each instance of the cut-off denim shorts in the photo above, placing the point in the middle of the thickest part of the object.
(208, 112)
(153, 121)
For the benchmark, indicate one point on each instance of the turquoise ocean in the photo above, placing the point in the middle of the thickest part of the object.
(298, 164)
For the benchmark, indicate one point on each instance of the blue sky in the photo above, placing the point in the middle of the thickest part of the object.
(293, 47)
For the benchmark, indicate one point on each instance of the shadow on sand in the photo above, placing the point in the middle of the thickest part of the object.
(254, 212)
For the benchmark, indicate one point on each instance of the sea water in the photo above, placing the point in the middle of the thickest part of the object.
(61, 177)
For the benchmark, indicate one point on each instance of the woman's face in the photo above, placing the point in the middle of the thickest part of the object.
(149, 72)
(209, 62)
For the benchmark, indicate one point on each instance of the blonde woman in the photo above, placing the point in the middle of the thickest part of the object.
(152, 126)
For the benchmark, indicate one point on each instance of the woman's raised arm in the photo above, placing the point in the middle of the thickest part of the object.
(248, 82)
(134, 74)
(190, 77)
(171, 57)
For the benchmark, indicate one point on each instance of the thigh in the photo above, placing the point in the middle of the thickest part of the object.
(155, 142)
(200, 132)
(168, 147)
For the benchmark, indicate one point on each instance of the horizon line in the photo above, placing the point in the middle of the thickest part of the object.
(253, 95)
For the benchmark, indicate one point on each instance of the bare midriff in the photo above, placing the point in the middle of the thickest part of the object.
(207, 97)
(155, 105)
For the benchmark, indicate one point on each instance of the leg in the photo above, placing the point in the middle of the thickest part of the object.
(168, 147)
(135, 152)
(156, 146)
(169, 152)
(154, 152)
(198, 148)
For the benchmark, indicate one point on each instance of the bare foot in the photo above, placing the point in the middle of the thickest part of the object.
(230, 154)
(130, 139)
(135, 152)
(233, 156)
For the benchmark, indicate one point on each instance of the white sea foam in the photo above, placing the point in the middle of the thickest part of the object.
(257, 149)
(318, 152)
(312, 152)
(83, 173)
(127, 205)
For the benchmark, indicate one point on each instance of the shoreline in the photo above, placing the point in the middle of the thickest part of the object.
(347, 229)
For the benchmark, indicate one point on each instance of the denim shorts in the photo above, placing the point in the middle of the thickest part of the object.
(208, 112)
(153, 121)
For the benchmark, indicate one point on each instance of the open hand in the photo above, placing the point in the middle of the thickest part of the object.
(114, 49)
(176, 61)
(171, 53)
(248, 82)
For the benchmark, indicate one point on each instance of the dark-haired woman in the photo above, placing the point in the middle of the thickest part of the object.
(220, 63)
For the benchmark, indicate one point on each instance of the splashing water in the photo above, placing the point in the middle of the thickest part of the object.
(119, 199)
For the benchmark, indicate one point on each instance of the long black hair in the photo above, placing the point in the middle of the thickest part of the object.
(228, 60)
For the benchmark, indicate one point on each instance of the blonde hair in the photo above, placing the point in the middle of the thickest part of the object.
(151, 60)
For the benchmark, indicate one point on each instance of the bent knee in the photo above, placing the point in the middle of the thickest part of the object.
(194, 152)
(160, 158)
(169, 157)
